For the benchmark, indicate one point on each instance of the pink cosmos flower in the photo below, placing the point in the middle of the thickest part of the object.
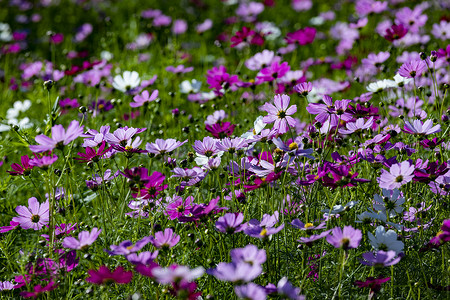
(280, 113)
(34, 216)
(398, 175)
(166, 239)
(418, 128)
(143, 98)
(60, 137)
(85, 239)
(412, 69)
(347, 238)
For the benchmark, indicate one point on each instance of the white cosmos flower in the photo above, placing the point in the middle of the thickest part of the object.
(127, 81)
(390, 203)
(385, 240)
(188, 87)
(401, 81)
(381, 85)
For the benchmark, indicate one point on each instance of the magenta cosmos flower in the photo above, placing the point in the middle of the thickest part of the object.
(345, 239)
(23, 169)
(398, 175)
(34, 216)
(85, 239)
(60, 137)
(280, 113)
(104, 275)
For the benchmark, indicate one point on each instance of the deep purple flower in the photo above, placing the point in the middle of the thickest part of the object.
(395, 32)
(127, 247)
(92, 154)
(85, 239)
(39, 290)
(23, 169)
(280, 113)
(221, 130)
(104, 275)
(373, 283)
(60, 137)
(302, 36)
(345, 239)
(165, 239)
(143, 98)
(380, 258)
(412, 69)
(34, 216)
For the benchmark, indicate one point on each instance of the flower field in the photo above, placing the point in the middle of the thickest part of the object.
(224, 149)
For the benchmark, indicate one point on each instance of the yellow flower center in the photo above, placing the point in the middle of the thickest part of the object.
(309, 225)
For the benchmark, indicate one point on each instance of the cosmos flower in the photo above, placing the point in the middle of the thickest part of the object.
(412, 69)
(280, 113)
(398, 175)
(249, 254)
(104, 275)
(85, 239)
(34, 216)
(127, 247)
(165, 239)
(250, 291)
(60, 137)
(417, 128)
(39, 290)
(346, 238)
(240, 272)
(176, 274)
(230, 223)
(373, 283)
(390, 203)
(127, 81)
(23, 169)
(380, 258)
(385, 240)
(143, 98)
